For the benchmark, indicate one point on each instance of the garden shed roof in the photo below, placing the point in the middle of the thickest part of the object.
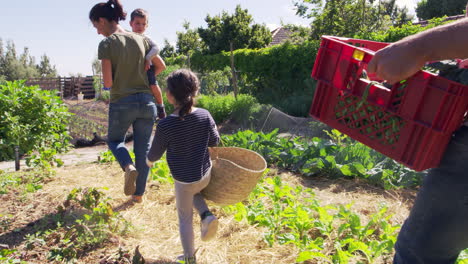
(279, 36)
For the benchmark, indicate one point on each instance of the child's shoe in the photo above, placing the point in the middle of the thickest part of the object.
(131, 175)
(209, 226)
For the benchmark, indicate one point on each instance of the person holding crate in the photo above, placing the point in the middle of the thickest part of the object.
(436, 231)
(122, 54)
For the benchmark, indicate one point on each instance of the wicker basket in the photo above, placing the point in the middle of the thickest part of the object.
(234, 175)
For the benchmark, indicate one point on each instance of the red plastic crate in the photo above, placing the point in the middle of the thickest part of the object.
(411, 123)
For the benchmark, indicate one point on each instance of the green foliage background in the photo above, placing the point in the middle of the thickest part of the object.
(427, 9)
(14, 66)
(278, 75)
(31, 118)
(394, 34)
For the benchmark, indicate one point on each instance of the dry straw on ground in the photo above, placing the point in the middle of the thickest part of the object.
(155, 221)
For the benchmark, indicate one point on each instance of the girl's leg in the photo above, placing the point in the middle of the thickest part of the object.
(198, 201)
(142, 130)
(184, 203)
(121, 116)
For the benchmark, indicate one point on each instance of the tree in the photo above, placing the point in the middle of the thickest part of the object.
(237, 28)
(22, 67)
(398, 15)
(299, 34)
(14, 68)
(2, 62)
(96, 66)
(350, 17)
(168, 51)
(188, 41)
(45, 68)
(427, 9)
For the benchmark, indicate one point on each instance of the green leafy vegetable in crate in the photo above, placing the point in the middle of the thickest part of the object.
(357, 112)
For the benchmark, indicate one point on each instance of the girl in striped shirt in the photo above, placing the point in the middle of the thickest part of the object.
(186, 135)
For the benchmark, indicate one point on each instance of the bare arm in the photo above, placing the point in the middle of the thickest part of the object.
(157, 93)
(107, 72)
(404, 58)
(159, 64)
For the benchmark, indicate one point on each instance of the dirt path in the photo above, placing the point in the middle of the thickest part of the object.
(73, 157)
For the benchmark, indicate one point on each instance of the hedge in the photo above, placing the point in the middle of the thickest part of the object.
(271, 74)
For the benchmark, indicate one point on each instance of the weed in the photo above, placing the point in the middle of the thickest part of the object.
(333, 233)
(76, 231)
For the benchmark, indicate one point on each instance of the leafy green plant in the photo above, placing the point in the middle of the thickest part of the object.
(106, 157)
(395, 33)
(10, 256)
(77, 231)
(331, 233)
(215, 82)
(223, 107)
(219, 106)
(338, 157)
(23, 182)
(159, 172)
(277, 75)
(31, 118)
(463, 257)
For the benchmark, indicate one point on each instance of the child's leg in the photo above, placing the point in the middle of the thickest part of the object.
(198, 200)
(184, 201)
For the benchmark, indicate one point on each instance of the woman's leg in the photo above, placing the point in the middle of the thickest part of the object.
(121, 116)
(437, 227)
(142, 130)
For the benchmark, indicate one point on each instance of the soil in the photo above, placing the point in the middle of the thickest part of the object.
(155, 228)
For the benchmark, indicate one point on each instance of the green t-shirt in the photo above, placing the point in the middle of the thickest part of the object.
(126, 51)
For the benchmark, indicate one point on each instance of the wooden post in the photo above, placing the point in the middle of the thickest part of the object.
(233, 71)
(17, 159)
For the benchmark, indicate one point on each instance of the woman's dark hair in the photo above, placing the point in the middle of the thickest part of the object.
(112, 11)
(183, 84)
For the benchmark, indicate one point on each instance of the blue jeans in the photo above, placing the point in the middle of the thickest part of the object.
(138, 110)
(437, 227)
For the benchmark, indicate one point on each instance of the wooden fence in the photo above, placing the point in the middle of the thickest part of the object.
(66, 87)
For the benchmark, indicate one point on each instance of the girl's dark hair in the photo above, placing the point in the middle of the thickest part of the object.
(183, 84)
(138, 13)
(112, 11)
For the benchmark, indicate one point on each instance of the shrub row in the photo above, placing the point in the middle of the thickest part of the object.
(277, 75)
(31, 118)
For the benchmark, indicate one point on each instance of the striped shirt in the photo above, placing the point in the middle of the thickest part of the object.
(186, 142)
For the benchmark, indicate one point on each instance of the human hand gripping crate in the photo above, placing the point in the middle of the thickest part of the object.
(411, 122)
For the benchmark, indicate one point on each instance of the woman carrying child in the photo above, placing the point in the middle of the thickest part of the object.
(122, 54)
(186, 135)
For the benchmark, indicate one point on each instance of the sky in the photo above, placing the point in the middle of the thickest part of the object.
(61, 28)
